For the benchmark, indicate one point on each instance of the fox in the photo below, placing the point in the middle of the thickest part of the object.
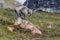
(22, 11)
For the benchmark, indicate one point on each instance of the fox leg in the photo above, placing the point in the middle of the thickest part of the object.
(18, 21)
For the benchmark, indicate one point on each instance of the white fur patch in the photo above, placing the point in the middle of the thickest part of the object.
(19, 20)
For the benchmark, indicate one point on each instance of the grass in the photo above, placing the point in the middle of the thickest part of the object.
(40, 19)
(45, 17)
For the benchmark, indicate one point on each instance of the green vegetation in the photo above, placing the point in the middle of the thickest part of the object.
(41, 19)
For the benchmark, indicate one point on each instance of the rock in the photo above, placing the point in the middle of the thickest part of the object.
(44, 5)
(27, 25)
(11, 29)
(51, 26)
